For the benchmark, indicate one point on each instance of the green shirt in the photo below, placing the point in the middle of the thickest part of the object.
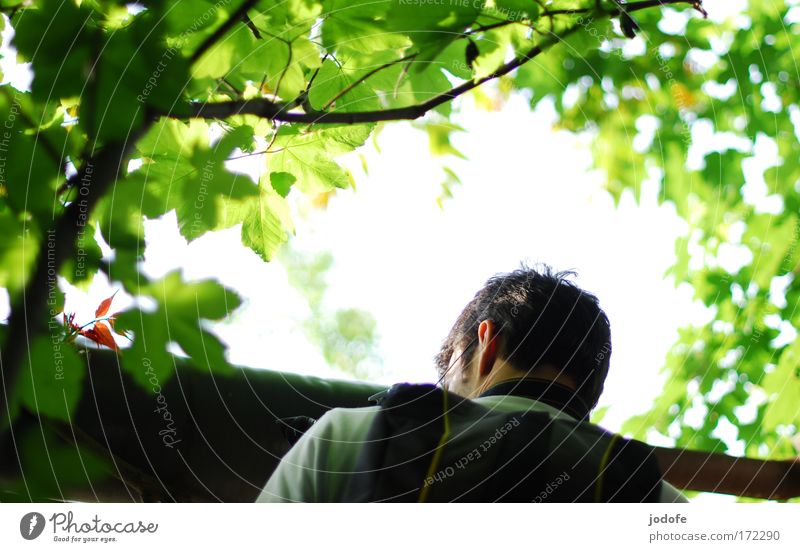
(317, 467)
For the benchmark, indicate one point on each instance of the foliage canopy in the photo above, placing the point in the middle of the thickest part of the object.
(134, 109)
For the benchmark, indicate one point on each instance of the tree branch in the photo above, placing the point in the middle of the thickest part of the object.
(628, 7)
(720, 473)
(262, 107)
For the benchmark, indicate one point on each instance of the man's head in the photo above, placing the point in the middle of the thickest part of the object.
(531, 322)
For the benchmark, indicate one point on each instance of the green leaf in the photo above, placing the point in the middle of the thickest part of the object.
(331, 81)
(182, 308)
(119, 214)
(723, 171)
(147, 360)
(30, 157)
(769, 237)
(677, 180)
(222, 58)
(490, 55)
(81, 267)
(205, 349)
(785, 381)
(516, 10)
(58, 38)
(206, 189)
(266, 221)
(18, 248)
(131, 72)
(358, 26)
(315, 171)
(598, 414)
(308, 156)
(189, 21)
(183, 300)
(282, 182)
(51, 379)
(170, 139)
(431, 26)
(281, 60)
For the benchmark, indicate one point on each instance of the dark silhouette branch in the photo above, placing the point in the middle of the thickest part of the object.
(262, 107)
(720, 473)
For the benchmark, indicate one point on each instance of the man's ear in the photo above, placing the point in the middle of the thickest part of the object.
(487, 347)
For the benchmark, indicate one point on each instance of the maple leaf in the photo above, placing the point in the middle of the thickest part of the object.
(102, 309)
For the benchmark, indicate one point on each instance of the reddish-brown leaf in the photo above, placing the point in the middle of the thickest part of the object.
(68, 319)
(100, 335)
(71, 322)
(89, 334)
(104, 306)
(104, 337)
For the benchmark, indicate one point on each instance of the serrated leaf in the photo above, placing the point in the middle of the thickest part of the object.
(313, 168)
(266, 222)
(431, 26)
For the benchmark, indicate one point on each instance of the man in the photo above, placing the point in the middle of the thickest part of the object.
(529, 340)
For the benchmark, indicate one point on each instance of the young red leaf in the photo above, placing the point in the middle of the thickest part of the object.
(89, 334)
(70, 321)
(104, 337)
(92, 335)
(104, 305)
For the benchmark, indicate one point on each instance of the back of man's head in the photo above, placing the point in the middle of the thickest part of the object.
(542, 319)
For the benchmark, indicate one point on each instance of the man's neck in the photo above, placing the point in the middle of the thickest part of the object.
(546, 391)
(504, 371)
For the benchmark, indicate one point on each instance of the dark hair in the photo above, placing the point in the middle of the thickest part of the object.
(541, 318)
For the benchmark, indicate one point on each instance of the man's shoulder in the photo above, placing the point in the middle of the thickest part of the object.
(340, 422)
(350, 413)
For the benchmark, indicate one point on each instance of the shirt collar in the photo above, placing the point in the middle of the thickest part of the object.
(548, 392)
